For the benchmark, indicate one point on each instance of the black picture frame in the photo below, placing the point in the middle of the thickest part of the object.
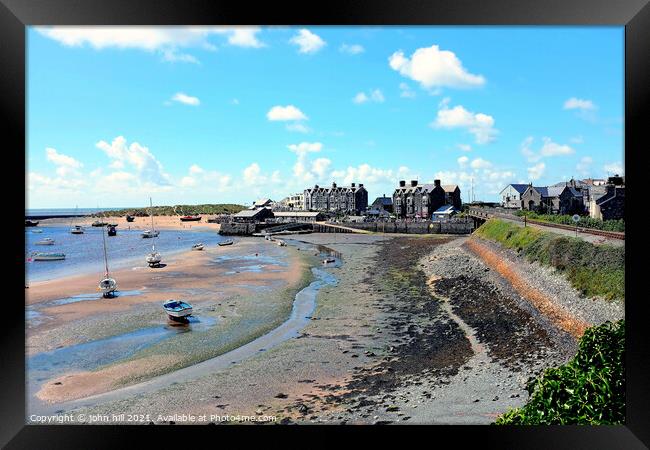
(634, 15)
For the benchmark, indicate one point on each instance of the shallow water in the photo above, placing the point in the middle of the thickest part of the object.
(85, 254)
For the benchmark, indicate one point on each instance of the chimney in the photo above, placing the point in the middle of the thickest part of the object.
(315, 186)
(436, 183)
(402, 183)
(333, 185)
(352, 184)
(360, 185)
(414, 183)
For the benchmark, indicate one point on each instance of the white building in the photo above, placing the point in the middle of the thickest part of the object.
(511, 195)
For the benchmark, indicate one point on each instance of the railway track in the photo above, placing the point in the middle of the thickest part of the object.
(608, 234)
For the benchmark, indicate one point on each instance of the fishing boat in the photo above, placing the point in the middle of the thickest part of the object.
(111, 230)
(107, 285)
(198, 246)
(129, 218)
(29, 223)
(195, 218)
(153, 258)
(46, 256)
(45, 241)
(226, 242)
(177, 310)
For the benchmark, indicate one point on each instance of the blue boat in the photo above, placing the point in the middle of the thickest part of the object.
(177, 310)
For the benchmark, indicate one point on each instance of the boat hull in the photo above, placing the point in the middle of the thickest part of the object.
(48, 257)
(190, 219)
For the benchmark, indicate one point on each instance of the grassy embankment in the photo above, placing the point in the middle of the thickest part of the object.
(588, 390)
(218, 208)
(585, 222)
(594, 270)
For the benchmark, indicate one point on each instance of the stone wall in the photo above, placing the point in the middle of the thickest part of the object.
(410, 228)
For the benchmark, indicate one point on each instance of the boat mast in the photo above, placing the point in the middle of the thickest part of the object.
(153, 242)
(105, 255)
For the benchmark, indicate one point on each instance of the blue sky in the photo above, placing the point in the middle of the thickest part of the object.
(222, 114)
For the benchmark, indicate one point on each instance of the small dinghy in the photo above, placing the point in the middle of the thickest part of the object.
(112, 231)
(150, 233)
(197, 246)
(45, 256)
(97, 223)
(177, 310)
(108, 286)
(226, 242)
(153, 259)
(45, 241)
(196, 218)
(30, 223)
(129, 218)
(329, 260)
(281, 243)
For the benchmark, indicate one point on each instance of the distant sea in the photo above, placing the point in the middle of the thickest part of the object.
(66, 211)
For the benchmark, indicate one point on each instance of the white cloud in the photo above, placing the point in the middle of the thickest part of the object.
(252, 174)
(548, 149)
(352, 49)
(62, 160)
(577, 103)
(298, 127)
(480, 163)
(165, 40)
(148, 168)
(405, 91)
(584, 165)
(180, 97)
(464, 147)
(284, 113)
(320, 167)
(577, 140)
(462, 161)
(480, 125)
(375, 96)
(432, 68)
(535, 172)
(305, 147)
(615, 168)
(307, 41)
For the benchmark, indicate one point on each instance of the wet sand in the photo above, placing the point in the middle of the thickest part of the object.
(242, 294)
(139, 223)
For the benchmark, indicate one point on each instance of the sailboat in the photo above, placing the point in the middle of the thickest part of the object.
(77, 229)
(153, 258)
(107, 285)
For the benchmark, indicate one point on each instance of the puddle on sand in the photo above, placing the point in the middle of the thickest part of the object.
(247, 259)
(93, 296)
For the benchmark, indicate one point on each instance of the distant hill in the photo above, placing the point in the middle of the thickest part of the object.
(176, 210)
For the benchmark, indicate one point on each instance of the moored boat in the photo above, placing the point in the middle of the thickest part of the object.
(281, 243)
(97, 223)
(45, 241)
(177, 310)
(329, 260)
(77, 229)
(37, 231)
(153, 258)
(150, 233)
(47, 256)
(198, 246)
(129, 218)
(111, 230)
(226, 242)
(195, 218)
(29, 223)
(107, 285)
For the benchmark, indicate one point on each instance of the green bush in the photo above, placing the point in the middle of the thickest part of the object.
(585, 222)
(595, 270)
(176, 210)
(589, 389)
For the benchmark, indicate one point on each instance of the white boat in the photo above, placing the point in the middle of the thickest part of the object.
(45, 241)
(153, 258)
(197, 246)
(77, 229)
(281, 243)
(37, 231)
(107, 285)
(329, 259)
(177, 310)
(150, 233)
(45, 256)
(226, 242)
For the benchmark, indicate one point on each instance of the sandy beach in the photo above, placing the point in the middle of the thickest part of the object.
(139, 223)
